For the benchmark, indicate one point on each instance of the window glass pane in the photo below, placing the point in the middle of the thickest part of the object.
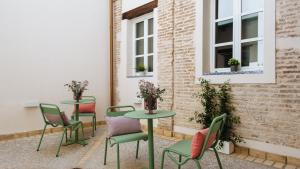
(139, 49)
(150, 26)
(150, 45)
(138, 62)
(250, 26)
(139, 29)
(224, 8)
(224, 31)
(249, 53)
(252, 5)
(223, 54)
(150, 63)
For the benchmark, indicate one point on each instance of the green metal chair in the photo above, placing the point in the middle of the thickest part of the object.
(54, 117)
(183, 148)
(116, 111)
(89, 114)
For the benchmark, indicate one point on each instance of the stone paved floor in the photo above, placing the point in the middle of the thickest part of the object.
(22, 154)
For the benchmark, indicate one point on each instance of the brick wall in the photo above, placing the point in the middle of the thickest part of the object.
(269, 112)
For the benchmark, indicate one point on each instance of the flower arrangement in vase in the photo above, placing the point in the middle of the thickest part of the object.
(77, 88)
(150, 94)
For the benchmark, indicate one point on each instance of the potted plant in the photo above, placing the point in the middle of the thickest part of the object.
(140, 70)
(150, 94)
(233, 63)
(77, 88)
(215, 103)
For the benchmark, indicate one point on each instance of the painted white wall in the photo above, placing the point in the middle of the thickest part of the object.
(128, 5)
(45, 44)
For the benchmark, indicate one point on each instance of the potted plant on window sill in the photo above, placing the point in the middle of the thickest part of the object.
(140, 70)
(216, 102)
(234, 64)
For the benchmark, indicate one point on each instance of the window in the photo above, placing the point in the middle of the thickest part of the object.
(237, 33)
(143, 43)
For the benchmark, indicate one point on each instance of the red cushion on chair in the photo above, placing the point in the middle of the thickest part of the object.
(87, 108)
(198, 141)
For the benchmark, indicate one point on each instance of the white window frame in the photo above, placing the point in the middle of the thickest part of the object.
(266, 75)
(143, 18)
(237, 39)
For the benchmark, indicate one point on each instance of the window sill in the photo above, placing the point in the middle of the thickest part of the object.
(240, 77)
(234, 73)
(139, 76)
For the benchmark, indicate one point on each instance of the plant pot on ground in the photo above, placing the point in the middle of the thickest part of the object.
(234, 64)
(216, 102)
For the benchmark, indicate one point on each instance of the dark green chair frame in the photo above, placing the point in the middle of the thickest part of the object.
(53, 109)
(182, 148)
(115, 111)
(91, 114)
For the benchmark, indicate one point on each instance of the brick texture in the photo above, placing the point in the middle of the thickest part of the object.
(269, 112)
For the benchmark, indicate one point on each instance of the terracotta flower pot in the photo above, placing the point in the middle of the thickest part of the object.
(150, 104)
(77, 96)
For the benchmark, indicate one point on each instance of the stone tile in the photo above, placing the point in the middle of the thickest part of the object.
(167, 133)
(241, 150)
(268, 163)
(257, 153)
(288, 166)
(249, 158)
(259, 160)
(293, 161)
(279, 165)
(276, 157)
(242, 156)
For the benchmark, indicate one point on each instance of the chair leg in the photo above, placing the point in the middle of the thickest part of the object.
(197, 164)
(218, 158)
(118, 156)
(38, 149)
(95, 122)
(94, 126)
(58, 150)
(180, 157)
(162, 160)
(82, 129)
(105, 152)
(137, 149)
(66, 136)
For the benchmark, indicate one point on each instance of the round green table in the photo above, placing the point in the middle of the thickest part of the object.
(141, 115)
(76, 140)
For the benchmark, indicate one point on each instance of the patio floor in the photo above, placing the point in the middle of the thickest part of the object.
(21, 153)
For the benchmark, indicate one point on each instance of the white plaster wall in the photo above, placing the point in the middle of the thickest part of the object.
(45, 44)
(128, 5)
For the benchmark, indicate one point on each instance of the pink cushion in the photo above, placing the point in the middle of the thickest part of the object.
(87, 108)
(122, 125)
(198, 141)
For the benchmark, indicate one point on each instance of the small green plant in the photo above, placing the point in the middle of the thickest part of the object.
(233, 62)
(215, 103)
(140, 68)
(207, 96)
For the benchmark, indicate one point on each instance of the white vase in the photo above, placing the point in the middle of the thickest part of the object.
(141, 73)
(227, 148)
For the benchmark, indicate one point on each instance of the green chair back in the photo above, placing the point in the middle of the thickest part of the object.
(51, 114)
(92, 98)
(115, 111)
(215, 128)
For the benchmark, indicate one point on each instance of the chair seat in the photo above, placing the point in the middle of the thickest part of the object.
(128, 138)
(73, 122)
(87, 114)
(182, 147)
